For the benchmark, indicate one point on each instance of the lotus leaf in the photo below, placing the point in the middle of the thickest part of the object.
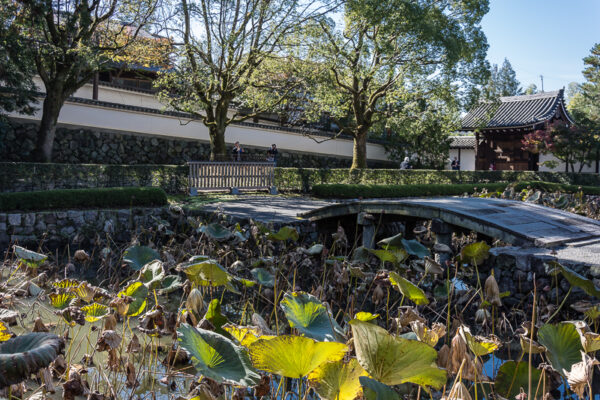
(263, 276)
(94, 312)
(216, 232)
(138, 256)
(213, 314)
(576, 280)
(152, 274)
(169, 284)
(475, 253)
(395, 241)
(408, 289)
(393, 360)
(315, 250)
(84, 291)
(217, 357)
(4, 334)
(293, 356)
(245, 335)
(283, 234)
(428, 335)
(479, 345)
(514, 376)
(206, 273)
(384, 255)
(66, 284)
(563, 345)
(365, 316)
(373, 390)
(61, 300)
(360, 254)
(138, 292)
(589, 340)
(29, 258)
(26, 354)
(337, 380)
(307, 314)
(415, 248)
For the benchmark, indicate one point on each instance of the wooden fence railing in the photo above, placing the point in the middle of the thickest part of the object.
(232, 175)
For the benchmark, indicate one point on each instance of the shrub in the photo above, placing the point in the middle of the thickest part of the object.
(387, 191)
(83, 198)
(559, 187)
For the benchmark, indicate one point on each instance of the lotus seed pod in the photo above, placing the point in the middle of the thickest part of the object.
(491, 292)
(81, 256)
(482, 316)
(195, 302)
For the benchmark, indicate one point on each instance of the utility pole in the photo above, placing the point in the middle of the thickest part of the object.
(542, 78)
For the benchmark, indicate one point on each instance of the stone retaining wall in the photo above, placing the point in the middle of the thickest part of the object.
(85, 146)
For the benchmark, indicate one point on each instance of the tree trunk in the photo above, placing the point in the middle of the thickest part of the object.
(47, 130)
(218, 149)
(359, 155)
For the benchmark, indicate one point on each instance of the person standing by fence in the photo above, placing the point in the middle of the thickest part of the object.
(237, 151)
(272, 154)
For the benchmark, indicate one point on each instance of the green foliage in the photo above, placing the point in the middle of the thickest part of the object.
(502, 82)
(82, 198)
(25, 355)
(138, 256)
(387, 191)
(563, 345)
(307, 314)
(374, 390)
(514, 376)
(28, 257)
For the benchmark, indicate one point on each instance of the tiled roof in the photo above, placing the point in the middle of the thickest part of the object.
(463, 142)
(515, 111)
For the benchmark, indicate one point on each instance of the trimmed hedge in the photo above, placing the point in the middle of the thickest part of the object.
(304, 179)
(83, 198)
(350, 191)
(390, 191)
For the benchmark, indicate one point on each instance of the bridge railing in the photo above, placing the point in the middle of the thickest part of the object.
(231, 175)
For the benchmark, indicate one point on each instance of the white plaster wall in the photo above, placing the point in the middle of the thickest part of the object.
(104, 118)
(561, 165)
(467, 159)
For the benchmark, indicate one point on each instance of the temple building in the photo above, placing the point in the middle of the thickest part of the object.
(499, 128)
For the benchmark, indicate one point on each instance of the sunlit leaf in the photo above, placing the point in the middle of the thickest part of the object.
(365, 316)
(94, 312)
(576, 280)
(169, 284)
(373, 390)
(216, 232)
(408, 289)
(84, 291)
(415, 248)
(479, 345)
(61, 300)
(217, 357)
(152, 274)
(395, 241)
(293, 356)
(29, 258)
(245, 335)
(307, 314)
(263, 277)
(589, 340)
(138, 256)
(428, 335)
(384, 255)
(213, 314)
(475, 253)
(315, 250)
(4, 334)
(393, 360)
(139, 293)
(66, 284)
(283, 234)
(513, 377)
(337, 380)
(206, 273)
(563, 345)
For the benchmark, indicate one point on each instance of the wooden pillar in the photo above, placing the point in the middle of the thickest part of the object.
(476, 150)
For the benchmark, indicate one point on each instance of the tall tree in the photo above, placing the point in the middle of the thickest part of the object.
(502, 82)
(531, 89)
(69, 41)
(234, 60)
(385, 45)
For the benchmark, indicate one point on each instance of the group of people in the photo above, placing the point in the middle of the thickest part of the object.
(272, 153)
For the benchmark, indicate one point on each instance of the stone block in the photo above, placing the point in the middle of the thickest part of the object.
(2, 217)
(50, 218)
(90, 216)
(14, 219)
(28, 219)
(67, 231)
(76, 217)
(61, 215)
(2, 226)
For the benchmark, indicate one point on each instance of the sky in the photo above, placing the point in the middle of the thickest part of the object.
(543, 37)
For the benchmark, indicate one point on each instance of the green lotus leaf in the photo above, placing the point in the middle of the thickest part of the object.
(61, 300)
(576, 280)
(337, 380)
(475, 253)
(365, 316)
(169, 284)
(217, 357)
(395, 241)
(283, 234)
(293, 356)
(263, 277)
(373, 390)
(4, 334)
(315, 250)
(152, 274)
(513, 376)
(563, 345)
(66, 284)
(307, 314)
(216, 232)
(94, 312)
(139, 293)
(360, 254)
(206, 273)
(408, 289)
(245, 335)
(415, 248)
(213, 314)
(479, 345)
(84, 291)
(384, 255)
(562, 201)
(29, 258)
(393, 360)
(24, 355)
(138, 256)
